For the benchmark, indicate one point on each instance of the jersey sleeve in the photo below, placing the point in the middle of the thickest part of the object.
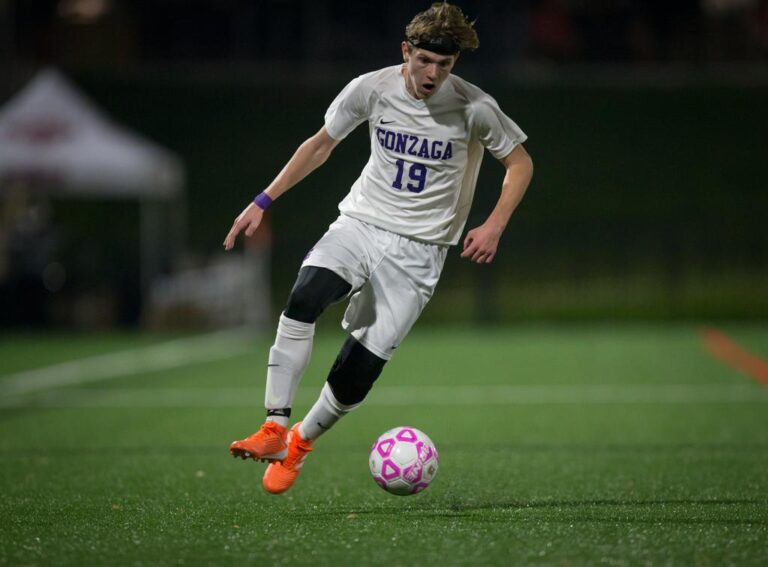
(348, 110)
(494, 129)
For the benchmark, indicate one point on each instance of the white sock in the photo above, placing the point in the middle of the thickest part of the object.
(288, 358)
(324, 414)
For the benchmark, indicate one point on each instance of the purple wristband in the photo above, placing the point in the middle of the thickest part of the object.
(263, 201)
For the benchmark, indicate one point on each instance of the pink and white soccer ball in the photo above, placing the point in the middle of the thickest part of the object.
(403, 461)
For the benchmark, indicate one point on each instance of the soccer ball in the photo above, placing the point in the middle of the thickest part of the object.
(403, 461)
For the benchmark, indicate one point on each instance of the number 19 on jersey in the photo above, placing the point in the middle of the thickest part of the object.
(417, 176)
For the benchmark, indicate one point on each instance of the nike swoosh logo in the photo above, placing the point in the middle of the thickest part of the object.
(321, 426)
(382, 121)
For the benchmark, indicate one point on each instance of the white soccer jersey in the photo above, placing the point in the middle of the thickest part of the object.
(425, 154)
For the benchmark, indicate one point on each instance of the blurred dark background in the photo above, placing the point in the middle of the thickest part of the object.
(645, 121)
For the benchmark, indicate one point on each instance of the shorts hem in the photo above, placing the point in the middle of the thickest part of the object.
(375, 350)
(318, 263)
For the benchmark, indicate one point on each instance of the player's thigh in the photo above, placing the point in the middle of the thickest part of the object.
(381, 314)
(346, 249)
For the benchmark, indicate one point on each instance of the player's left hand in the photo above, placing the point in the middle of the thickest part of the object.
(481, 243)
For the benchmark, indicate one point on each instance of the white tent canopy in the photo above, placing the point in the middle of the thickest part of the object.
(55, 141)
(52, 135)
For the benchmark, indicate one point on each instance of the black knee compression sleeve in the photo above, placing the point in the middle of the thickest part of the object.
(314, 290)
(354, 372)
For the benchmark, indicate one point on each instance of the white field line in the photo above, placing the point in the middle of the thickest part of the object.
(424, 396)
(570, 394)
(164, 356)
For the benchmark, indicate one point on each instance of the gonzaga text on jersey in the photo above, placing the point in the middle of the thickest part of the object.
(409, 144)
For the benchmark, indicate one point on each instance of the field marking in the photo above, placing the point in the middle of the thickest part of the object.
(722, 347)
(153, 358)
(388, 396)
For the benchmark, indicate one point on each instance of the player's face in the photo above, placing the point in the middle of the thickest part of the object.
(425, 71)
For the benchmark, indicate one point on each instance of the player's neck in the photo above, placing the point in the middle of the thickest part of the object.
(408, 84)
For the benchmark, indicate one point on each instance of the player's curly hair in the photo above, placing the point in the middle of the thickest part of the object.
(443, 20)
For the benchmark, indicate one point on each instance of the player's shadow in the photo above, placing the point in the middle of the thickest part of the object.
(521, 505)
(507, 511)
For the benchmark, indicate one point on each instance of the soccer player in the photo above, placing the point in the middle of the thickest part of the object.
(385, 251)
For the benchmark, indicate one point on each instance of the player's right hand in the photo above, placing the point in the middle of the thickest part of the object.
(249, 219)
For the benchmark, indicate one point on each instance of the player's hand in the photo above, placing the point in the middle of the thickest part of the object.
(481, 243)
(249, 219)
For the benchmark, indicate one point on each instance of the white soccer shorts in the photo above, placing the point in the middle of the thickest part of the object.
(392, 278)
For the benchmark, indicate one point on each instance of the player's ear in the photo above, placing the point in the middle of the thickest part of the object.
(405, 50)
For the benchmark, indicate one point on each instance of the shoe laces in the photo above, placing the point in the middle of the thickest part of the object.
(271, 428)
(297, 450)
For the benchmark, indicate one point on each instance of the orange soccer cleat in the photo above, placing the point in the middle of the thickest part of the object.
(280, 475)
(267, 444)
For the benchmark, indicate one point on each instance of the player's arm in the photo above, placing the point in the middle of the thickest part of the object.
(309, 156)
(481, 243)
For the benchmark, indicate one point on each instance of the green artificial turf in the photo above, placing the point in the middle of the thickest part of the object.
(574, 445)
